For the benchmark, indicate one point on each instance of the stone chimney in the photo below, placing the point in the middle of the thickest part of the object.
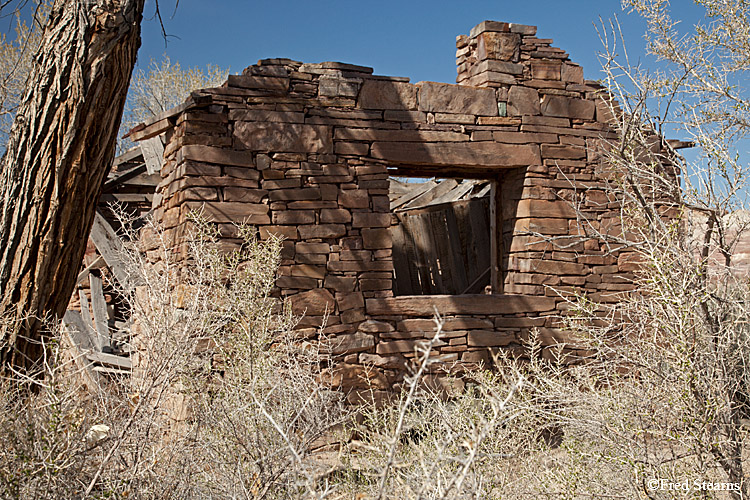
(499, 55)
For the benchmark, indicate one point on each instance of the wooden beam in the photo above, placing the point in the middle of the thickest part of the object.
(153, 154)
(425, 198)
(496, 237)
(83, 275)
(128, 156)
(121, 362)
(82, 337)
(80, 332)
(111, 248)
(417, 190)
(99, 306)
(123, 177)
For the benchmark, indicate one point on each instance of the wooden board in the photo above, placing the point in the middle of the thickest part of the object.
(442, 249)
(99, 307)
(153, 154)
(111, 249)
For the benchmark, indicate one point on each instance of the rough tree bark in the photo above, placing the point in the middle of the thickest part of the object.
(59, 152)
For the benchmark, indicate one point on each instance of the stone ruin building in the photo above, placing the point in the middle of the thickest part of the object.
(312, 152)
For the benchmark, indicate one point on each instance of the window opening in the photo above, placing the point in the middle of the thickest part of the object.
(442, 242)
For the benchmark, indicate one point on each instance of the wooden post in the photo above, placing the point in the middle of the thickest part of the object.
(496, 237)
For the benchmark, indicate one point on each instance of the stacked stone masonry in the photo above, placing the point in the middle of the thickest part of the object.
(305, 151)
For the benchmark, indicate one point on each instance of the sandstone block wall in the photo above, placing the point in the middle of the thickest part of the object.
(305, 151)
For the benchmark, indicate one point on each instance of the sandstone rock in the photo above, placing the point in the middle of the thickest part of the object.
(546, 70)
(337, 215)
(523, 101)
(350, 300)
(222, 212)
(568, 107)
(322, 231)
(337, 86)
(372, 326)
(340, 283)
(501, 46)
(376, 238)
(572, 73)
(291, 137)
(366, 219)
(477, 154)
(563, 152)
(308, 271)
(446, 98)
(209, 154)
(296, 282)
(354, 342)
(285, 232)
(354, 198)
(294, 217)
(425, 305)
(259, 82)
(488, 338)
(244, 194)
(378, 94)
(544, 208)
(313, 303)
(346, 376)
(387, 362)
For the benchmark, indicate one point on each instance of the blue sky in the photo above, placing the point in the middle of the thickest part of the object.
(398, 38)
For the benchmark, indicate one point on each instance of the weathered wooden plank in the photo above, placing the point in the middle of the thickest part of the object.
(454, 194)
(439, 236)
(478, 284)
(480, 233)
(82, 337)
(457, 263)
(415, 265)
(111, 360)
(110, 371)
(83, 275)
(468, 253)
(153, 154)
(420, 231)
(429, 195)
(123, 177)
(142, 198)
(128, 156)
(417, 190)
(402, 283)
(85, 311)
(496, 237)
(474, 154)
(153, 129)
(80, 332)
(111, 248)
(99, 306)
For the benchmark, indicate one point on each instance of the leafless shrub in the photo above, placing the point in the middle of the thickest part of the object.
(224, 401)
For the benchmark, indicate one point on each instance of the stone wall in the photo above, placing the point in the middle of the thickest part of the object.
(305, 151)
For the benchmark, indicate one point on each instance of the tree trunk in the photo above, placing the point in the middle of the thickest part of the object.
(59, 152)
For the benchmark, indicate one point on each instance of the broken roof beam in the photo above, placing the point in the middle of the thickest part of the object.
(167, 119)
(418, 190)
(425, 198)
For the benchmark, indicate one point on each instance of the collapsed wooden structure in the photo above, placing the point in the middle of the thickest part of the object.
(95, 329)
